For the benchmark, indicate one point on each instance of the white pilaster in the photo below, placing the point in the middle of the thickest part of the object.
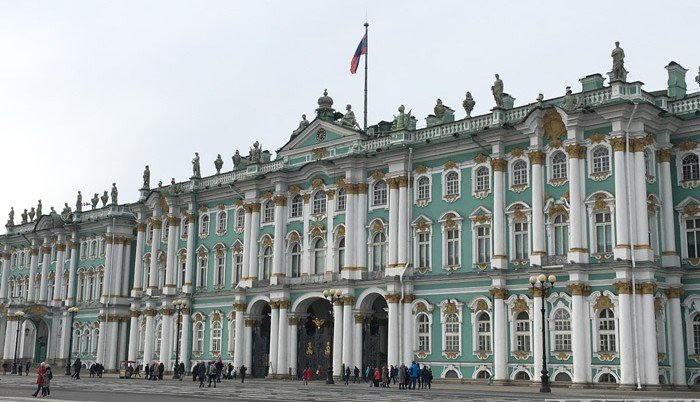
(33, 264)
(625, 322)
(408, 323)
(642, 249)
(330, 240)
(134, 335)
(669, 256)
(677, 345)
(579, 319)
(392, 301)
(238, 341)
(187, 287)
(248, 343)
(537, 336)
(138, 260)
(347, 332)
(280, 225)
(10, 338)
(393, 239)
(622, 246)
(126, 268)
(337, 337)
(171, 260)
(73, 274)
(360, 228)
(403, 222)
(539, 248)
(117, 266)
(166, 344)
(578, 252)
(274, 335)
(45, 262)
(499, 260)
(500, 351)
(651, 351)
(306, 246)
(292, 344)
(283, 340)
(5, 273)
(357, 342)
(350, 236)
(186, 341)
(148, 338)
(156, 224)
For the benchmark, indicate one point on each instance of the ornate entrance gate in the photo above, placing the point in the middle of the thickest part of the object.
(261, 346)
(374, 335)
(315, 339)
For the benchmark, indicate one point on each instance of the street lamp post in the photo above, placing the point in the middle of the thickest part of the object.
(19, 316)
(72, 311)
(331, 295)
(179, 304)
(543, 283)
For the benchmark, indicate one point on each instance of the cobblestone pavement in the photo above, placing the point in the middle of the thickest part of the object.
(14, 388)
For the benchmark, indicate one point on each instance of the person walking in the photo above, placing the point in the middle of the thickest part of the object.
(385, 377)
(415, 372)
(306, 375)
(147, 371)
(48, 376)
(357, 375)
(377, 376)
(201, 374)
(161, 370)
(181, 371)
(29, 364)
(430, 377)
(39, 379)
(77, 365)
(402, 376)
(347, 375)
(243, 370)
(211, 372)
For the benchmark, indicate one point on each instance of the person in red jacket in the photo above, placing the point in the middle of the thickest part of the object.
(306, 375)
(40, 378)
(377, 376)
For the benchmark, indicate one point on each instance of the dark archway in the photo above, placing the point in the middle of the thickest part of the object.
(315, 339)
(375, 334)
(260, 363)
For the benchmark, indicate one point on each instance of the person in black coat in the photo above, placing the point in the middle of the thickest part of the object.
(201, 374)
(242, 371)
(77, 365)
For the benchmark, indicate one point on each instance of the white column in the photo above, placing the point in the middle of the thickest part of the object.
(638, 328)
(330, 240)
(408, 322)
(248, 342)
(104, 335)
(677, 346)
(500, 342)
(392, 301)
(33, 264)
(348, 304)
(622, 240)
(45, 262)
(138, 260)
(148, 338)
(499, 259)
(393, 223)
(642, 248)
(186, 342)
(117, 266)
(350, 236)
(110, 360)
(187, 287)
(651, 351)
(171, 260)
(109, 267)
(73, 274)
(578, 334)
(306, 246)
(126, 267)
(10, 336)
(254, 234)
(280, 225)
(5, 271)
(539, 248)
(292, 343)
(156, 224)
(360, 227)
(134, 336)
(403, 222)
(357, 341)
(669, 256)
(166, 344)
(123, 338)
(577, 221)
(537, 336)
(274, 335)
(624, 308)
(337, 337)
(239, 335)
(283, 340)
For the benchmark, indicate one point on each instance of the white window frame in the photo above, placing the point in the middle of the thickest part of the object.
(380, 194)
(476, 313)
(446, 220)
(220, 267)
(594, 317)
(319, 202)
(519, 214)
(603, 174)
(593, 225)
(266, 256)
(423, 198)
(444, 323)
(216, 340)
(240, 219)
(268, 212)
(202, 271)
(479, 191)
(650, 164)
(296, 201)
(520, 185)
(197, 339)
(204, 225)
(295, 255)
(456, 193)
(342, 200)
(690, 182)
(316, 252)
(418, 334)
(422, 226)
(382, 247)
(559, 179)
(184, 227)
(339, 255)
(221, 222)
(558, 332)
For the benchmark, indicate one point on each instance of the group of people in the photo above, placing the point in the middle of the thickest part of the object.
(43, 380)
(155, 371)
(214, 372)
(19, 367)
(408, 377)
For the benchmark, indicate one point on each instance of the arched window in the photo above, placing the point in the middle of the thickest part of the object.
(423, 332)
(451, 184)
(559, 165)
(182, 262)
(184, 227)
(268, 211)
(453, 250)
(319, 205)
(94, 341)
(483, 179)
(378, 247)
(379, 193)
(76, 341)
(690, 167)
(296, 207)
(562, 331)
(319, 256)
(204, 225)
(483, 332)
(158, 337)
(85, 342)
(519, 173)
(423, 187)
(198, 338)
(606, 331)
(607, 378)
(451, 333)
(342, 199)
(483, 375)
(562, 377)
(696, 334)
(341, 254)
(561, 235)
(202, 272)
(601, 159)
(220, 268)
(216, 337)
(522, 332)
(240, 218)
(296, 260)
(522, 376)
(267, 262)
(221, 221)
(602, 224)
(81, 287)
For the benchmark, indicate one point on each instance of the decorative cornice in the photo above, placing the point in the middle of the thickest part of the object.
(499, 165)
(499, 293)
(579, 289)
(537, 157)
(576, 151)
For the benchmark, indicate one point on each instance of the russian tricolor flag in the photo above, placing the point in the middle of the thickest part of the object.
(361, 49)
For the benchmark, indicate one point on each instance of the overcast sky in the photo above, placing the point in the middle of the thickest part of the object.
(91, 91)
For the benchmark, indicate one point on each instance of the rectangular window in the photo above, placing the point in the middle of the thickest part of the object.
(483, 244)
(238, 267)
(424, 249)
(453, 247)
(603, 232)
(562, 342)
(692, 227)
(521, 241)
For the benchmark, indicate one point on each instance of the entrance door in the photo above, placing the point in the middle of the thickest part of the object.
(374, 336)
(40, 349)
(315, 339)
(261, 346)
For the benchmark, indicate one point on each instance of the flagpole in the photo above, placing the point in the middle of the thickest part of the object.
(366, 56)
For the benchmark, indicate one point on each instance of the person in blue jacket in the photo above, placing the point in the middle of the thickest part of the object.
(415, 372)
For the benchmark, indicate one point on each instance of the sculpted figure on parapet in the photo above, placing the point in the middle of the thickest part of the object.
(38, 210)
(24, 216)
(618, 68)
(218, 163)
(439, 109)
(196, 172)
(401, 121)
(468, 104)
(32, 213)
(11, 215)
(348, 119)
(115, 193)
(146, 178)
(302, 125)
(497, 91)
(255, 153)
(79, 203)
(95, 199)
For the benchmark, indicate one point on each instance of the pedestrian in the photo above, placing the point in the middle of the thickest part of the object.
(367, 373)
(147, 371)
(48, 375)
(20, 366)
(402, 376)
(4, 368)
(392, 374)
(195, 372)
(385, 377)
(211, 373)
(39, 379)
(229, 371)
(347, 375)
(77, 365)
(29, 364)
(219, 368)
(424, 377)
(181, 370)
(415, 372)
(161, 369)
(243, 370)
(377, 376)
(307, 375)
(357, 375)
(201, 374)
(430, 376)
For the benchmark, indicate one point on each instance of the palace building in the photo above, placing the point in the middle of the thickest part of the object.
(427, 238)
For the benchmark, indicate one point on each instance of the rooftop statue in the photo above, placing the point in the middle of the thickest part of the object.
(571, 101)
(439, 109)
(24, 216)
(79, 203)
(196, 172)
(38, 210)
(255, 153)
(146, 179)
(11, 215)
(468, 104)
(95, 199)
(236, 159)
(348, 119)
(66, 211)
(618, 68)
(32, 213)
(172, 181)
(497, 90)
(402, 121)
(52, 212)
(160, 183)
(697, 77)
(302, 125)
(540, 99)
(218, 163)
(104, 198)
(114, 194)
